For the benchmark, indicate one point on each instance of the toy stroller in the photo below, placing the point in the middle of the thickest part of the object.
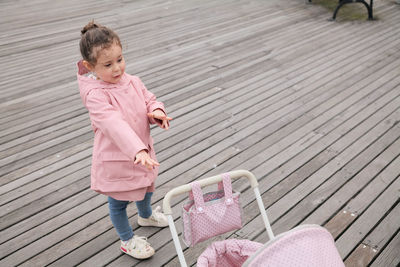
(211, 214)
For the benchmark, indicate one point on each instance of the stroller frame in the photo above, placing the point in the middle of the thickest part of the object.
(206, 182)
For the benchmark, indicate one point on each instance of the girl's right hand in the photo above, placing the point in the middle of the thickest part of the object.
(144, 158)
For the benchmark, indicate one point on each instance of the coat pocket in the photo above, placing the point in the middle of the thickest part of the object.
(117, 166)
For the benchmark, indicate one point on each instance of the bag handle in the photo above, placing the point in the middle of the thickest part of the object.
(198, 196)
(197, 193)
(226, 181)
(220, 187)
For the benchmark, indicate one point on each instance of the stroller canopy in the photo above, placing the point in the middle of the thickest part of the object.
(306, 245)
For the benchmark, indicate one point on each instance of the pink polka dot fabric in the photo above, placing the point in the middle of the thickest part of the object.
(211, 214)
(306, 245)
(227, 253)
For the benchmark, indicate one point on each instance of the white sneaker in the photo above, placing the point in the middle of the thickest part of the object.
(137, 247)
(157, 219)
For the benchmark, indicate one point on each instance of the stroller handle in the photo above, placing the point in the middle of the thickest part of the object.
(205, 182)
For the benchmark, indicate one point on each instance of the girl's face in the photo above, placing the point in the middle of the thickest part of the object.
(110, 64)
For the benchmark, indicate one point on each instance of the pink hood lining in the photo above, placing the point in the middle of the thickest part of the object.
(82, 70)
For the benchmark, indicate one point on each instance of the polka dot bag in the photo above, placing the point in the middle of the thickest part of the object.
(211, 214)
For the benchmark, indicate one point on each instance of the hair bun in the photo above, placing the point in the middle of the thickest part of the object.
(91, 25)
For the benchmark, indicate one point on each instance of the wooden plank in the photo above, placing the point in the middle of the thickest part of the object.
(365, 223)
(339, 222)
(386, 229)
(390, 255)
(362, 255)
(374, 243)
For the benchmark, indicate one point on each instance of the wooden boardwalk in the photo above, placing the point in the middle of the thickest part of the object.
(311, 107)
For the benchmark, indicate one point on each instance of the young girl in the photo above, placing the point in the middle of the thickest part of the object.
(124, 165)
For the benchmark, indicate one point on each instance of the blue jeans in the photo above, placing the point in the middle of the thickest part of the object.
(119, 217)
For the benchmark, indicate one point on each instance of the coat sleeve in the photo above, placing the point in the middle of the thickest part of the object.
(150, 99)
(109, 120)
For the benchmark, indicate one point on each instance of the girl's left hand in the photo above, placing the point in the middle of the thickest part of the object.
(158, 114)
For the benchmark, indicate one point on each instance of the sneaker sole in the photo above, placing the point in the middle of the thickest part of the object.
(137, 257)
(149, 224)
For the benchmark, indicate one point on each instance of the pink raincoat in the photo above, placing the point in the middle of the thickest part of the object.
(118, 113)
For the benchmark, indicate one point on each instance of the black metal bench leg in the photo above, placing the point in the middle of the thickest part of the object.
(370, 10)
(343, 2)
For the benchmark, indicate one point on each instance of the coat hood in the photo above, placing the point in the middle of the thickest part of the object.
(86, 84)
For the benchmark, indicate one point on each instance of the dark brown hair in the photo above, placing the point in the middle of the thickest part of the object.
(95, 37)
